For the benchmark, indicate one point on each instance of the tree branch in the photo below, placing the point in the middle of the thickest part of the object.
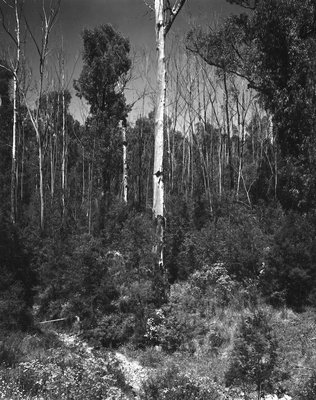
(174, 11)
(248, 4)
(149, 6)
(6, 29)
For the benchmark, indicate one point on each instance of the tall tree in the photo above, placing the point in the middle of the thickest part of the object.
(36, 116)
(165, 15)
(272, 48)
(14, 67)
(106, 64)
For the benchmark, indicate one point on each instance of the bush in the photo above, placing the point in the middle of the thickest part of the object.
(64, 373)
(189, 321)
(165, 329)
(235, 240)
(289, 274)
(17, 281)
(9, 354)
(308, 392)
(114, 330)
(172, 385)
(254, 354)
(109, 282)
(74, 279)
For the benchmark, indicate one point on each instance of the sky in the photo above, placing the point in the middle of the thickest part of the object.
(131, 17)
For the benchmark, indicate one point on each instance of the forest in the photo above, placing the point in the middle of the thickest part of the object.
(169, 255)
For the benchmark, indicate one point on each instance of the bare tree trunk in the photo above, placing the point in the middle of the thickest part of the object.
(241, 128)
(13, 164)
(158, 184)
(52, 142)
(164, 18)
(83, 178)
(220, 166)
(64, 152)
(89, 197)
(14, 172)
(125, 166)
(230, 161)
(22, 165)
(48, 21)
(41, 184)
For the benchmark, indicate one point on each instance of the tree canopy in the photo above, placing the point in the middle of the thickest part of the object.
(106, 63)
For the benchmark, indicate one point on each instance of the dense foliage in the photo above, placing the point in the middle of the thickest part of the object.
(254, 354)
(240, 234)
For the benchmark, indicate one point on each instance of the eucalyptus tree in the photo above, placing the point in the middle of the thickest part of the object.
(106, 66)
(37, 115)
(272, 48)
(165, 15)
(16, 8)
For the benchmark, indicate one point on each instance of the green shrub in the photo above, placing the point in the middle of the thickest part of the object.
(308, 392)
(254, 354)
(17, 280)
(172, 385)
(150, 357)
(114, 330)
(9, 355)
(289, 274)
(235, 239)
(64, 374)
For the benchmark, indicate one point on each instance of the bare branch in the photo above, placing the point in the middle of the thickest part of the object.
(6, 68)
(9, 5)
(5, 26)
(149, 6)
(173, 14)
(32, 36)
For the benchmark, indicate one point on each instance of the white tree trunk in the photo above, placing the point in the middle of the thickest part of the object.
(41, 183)
(158, 185)
(15, 114)
(13, 163)
(64, 152)
(125, 166)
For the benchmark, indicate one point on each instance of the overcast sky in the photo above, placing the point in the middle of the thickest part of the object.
(131, 17)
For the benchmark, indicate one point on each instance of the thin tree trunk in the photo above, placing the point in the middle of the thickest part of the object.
(22, 165)
(220, 166)
(41, 179)
(13, 164)
(90, 198)
(52, 168)
(230, 161)
(83, 178)
(64, 151)
(15, 115)
(125, 166)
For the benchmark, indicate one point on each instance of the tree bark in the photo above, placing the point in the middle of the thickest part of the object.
(229, 147)
(164, 18)
(64, 153)
(125, 166)
(15, 115)
(158, 184)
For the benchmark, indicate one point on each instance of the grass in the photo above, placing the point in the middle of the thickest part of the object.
(41, 365)
(295, 334)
